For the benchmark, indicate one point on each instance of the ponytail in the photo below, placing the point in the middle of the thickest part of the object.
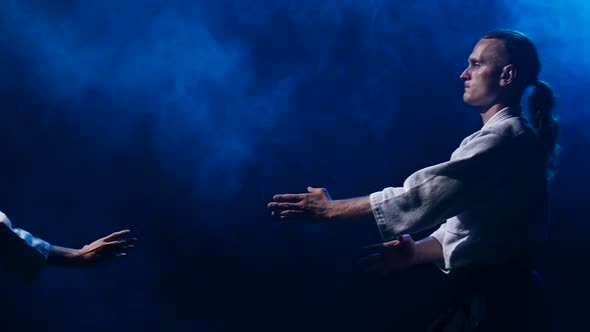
(541, 104)
(522, 53)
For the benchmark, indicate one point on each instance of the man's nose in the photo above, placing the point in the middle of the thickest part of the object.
(464, 75)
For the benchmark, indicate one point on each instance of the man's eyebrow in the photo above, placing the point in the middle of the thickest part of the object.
(473, 59)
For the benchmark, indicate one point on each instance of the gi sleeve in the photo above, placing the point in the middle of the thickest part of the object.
(436, 193)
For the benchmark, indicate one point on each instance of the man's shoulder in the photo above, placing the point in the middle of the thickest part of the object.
(515, 131)
(509, 128)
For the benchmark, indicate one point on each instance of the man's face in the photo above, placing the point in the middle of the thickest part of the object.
(482, 75)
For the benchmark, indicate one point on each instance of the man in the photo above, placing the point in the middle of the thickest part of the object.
(490, 199)
(24, 254)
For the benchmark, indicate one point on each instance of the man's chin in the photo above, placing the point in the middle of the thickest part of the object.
(469, 101)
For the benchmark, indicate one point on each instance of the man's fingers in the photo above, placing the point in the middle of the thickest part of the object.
(372, 249)
(284, 206)
(285, 214)
(291, 214)
(323, 191)
(288, 197)
(404, 238)
(117, 234)
(392, 243)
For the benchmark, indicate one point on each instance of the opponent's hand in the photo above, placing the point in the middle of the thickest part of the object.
(315, 204)
(386, 258)
(109, 247)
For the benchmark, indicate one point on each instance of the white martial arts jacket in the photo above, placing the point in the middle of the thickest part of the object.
(490, 199)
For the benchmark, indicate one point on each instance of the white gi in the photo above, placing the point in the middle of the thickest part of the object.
(491, 197)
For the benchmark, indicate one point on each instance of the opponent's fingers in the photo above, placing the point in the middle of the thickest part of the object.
(125, 242)
(116, 235)
(121, 250)
(126, 248)
(117, 244)
(129, 241)
(114, 251)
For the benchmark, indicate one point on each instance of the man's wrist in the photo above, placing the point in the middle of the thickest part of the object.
(352, 209)
(428, 250)
(331, 212)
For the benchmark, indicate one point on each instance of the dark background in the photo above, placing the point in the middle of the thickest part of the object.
(181, 119)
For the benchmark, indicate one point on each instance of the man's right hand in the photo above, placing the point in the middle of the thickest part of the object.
(389, 257)
(313, 205)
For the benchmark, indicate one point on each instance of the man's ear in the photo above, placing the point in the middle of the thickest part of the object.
(508, 75)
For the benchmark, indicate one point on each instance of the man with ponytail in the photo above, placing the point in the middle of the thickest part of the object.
(489, 201)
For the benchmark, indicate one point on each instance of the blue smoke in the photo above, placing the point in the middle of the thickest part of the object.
(214, 79)
(111, 65)
(560, 31)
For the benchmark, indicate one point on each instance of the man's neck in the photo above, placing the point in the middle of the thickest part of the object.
(488, 112)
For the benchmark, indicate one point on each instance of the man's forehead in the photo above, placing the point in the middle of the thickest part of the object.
(486, 49)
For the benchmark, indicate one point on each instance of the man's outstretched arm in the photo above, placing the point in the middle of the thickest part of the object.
(317, 204)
